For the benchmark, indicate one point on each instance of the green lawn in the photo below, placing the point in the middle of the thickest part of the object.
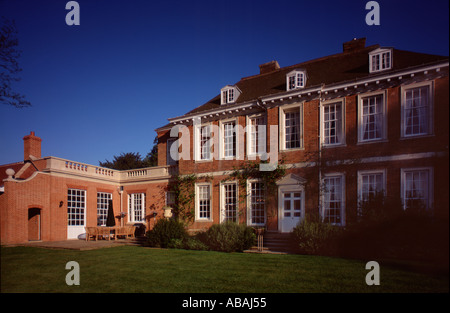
(138, 269)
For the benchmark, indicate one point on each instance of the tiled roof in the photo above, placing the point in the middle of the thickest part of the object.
(341, 67)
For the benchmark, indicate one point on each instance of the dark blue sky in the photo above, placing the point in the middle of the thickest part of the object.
(101, 88)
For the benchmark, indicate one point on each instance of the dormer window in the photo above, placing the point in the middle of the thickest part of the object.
(229, 94)
(295, 79)
(380, 60)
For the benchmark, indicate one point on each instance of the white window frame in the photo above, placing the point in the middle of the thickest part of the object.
(360, 182)
(378, 58)
(132, 207)
(383, 130)
(223, 134)
(261, 136)
(249, 203)
(342, 195)
(342, 139)
(229, 94)
(429, 185)
(198, 156)
(198, 216)
(103, 199)
(223, 201)
(76, 207)
(405, 89)
(282, 123)
(299, 78)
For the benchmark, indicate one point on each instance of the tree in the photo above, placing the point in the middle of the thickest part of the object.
(9, 66)
(132, 160)
(126, 161)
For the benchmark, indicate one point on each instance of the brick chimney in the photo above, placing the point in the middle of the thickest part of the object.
(268, 67)
(31, 147)
(354, 45)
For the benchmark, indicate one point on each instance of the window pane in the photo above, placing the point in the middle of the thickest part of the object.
(372, 117)
(417, 111)
(229, 138)
(416, 189)
(333, 123)
(292, 129)
(102, 207)
(257, 203)
(75, 207)
(230, 202)
(204, 205)
(333, 202)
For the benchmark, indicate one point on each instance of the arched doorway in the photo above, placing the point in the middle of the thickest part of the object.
(34, 224)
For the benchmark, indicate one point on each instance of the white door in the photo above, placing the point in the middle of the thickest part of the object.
(76, 213)
(291, 209)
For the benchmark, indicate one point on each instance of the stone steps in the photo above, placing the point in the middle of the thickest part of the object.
(274, 242)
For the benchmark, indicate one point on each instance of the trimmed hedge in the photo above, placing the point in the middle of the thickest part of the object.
(164, 232)
(229, 237)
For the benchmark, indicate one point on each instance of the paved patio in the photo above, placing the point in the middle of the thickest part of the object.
(76, 244)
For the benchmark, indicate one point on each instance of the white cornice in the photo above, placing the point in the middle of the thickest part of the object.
(308, 92)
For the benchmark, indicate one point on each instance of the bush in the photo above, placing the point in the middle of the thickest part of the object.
(316, 237)
(228, 237)
(166, 233)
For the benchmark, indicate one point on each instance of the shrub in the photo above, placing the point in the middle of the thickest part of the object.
(316, 237)
(228, 237)
(165, 233)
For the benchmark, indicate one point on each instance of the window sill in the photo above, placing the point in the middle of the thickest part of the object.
(416, 136)
(292, 149)
(372, 141)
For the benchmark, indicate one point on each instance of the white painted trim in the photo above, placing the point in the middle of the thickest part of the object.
(322, 122)
(222, 138)
(343, 199)
(197, 204)
(430, 170)
(431, 89)
(360, 98)
(130, 213)
(222, 199)
(282, 127)
(248, 130)
(368, 172)
(249, 207)
(380, 52)
(289, 188)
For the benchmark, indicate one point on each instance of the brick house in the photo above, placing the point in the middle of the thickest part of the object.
(346, 126)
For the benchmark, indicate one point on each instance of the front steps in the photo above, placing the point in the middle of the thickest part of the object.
(277, 243)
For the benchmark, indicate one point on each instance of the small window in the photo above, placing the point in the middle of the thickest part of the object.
(380, 60)
(229, 94)
(295, 79)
